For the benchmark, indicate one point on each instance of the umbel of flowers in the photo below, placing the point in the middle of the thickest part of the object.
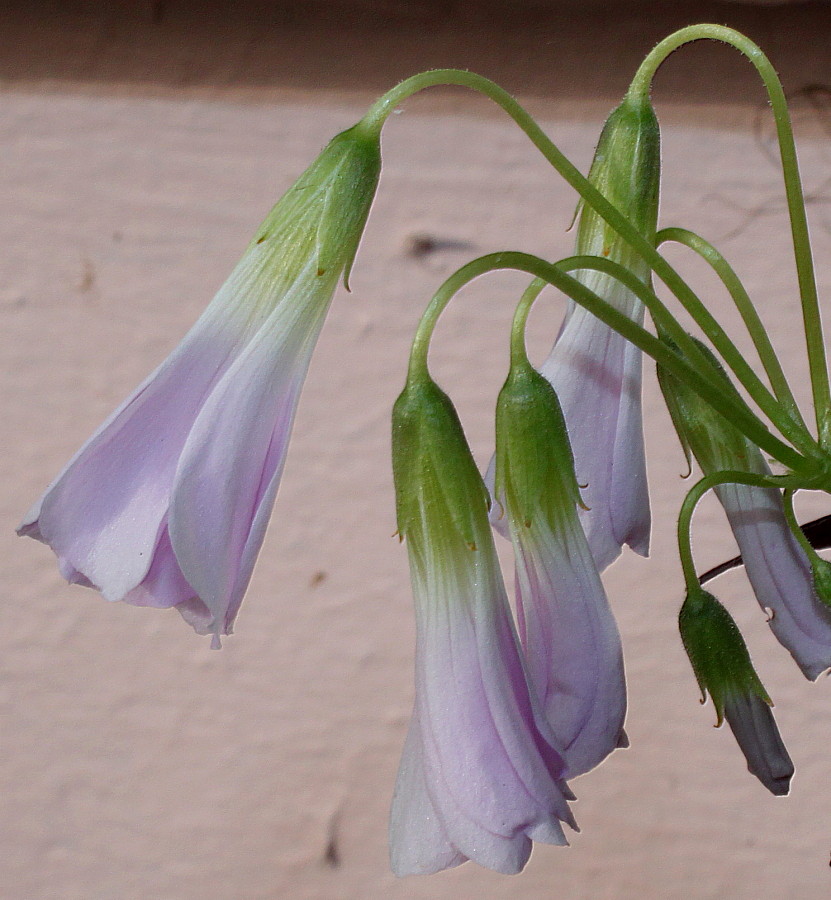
(166, 505)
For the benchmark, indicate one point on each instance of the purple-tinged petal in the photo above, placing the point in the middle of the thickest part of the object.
(168, 502)
(780, 575)
(482, 771)
(164, 585)
(103, 513)
(597, 376)
(231, 463)
(571, 642)
(419, 844)
(752, 723)
(493, 778)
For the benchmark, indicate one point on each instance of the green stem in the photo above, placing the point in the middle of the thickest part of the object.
(752, 322)
(711, 391)
(382, 108)
(378, 113)
(793, 524)
(698, 490)
(640, 89)
(519, 354)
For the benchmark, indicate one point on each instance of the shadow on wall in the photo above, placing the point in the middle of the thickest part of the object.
(537, 47)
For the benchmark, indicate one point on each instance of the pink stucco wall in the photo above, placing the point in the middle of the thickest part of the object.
(136, 763)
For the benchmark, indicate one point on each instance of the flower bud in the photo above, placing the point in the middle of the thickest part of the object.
(723, 669)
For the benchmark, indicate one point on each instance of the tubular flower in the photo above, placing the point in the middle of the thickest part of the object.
(723, 669)
(594, 370)
(777, 567)
(480, 775)
(568, 632)
(167, 504)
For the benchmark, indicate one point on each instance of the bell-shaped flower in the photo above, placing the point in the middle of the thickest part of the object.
(167, 504)
(481, 774)
(723, 669)
(596, 372)
(566, 626)
(777, 567)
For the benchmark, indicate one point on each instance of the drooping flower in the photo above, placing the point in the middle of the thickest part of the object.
(594, 370)
(777, 567)
(723, 669)
(167, 504)
(481, 775)
(568, 632)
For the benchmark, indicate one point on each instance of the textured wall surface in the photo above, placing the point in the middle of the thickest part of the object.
(136, 763)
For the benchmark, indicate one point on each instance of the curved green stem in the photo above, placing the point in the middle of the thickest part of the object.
(711, 391)
(381, 109)
(698, 490)
(751, 319)
(518, 352)
(793, 524)
(640, 89)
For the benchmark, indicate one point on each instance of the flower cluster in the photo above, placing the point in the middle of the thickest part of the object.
(167, 504)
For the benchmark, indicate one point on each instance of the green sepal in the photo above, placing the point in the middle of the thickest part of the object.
(437, 483)
(325, 210)
(627, 170)
(534, 462)
(821, 572)
(717, 651)
(703, 432)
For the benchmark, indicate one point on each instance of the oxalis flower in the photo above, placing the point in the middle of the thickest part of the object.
(594, 370)
(723, 669)
(777, 567)
(167, 504)
(568, 632)
(481, 773)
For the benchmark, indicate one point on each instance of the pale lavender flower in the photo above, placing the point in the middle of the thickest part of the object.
(568, 632)
(594, 370)
(167, 504)
(480, 775)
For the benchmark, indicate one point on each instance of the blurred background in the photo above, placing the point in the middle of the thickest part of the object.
(141, 143)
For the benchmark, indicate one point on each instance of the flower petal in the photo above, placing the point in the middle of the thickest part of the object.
(492, 775)
(572, 646)
(754, 727)
(102, 515)
(419, 844)
(780, 575)
(597, 376)
(231, 463)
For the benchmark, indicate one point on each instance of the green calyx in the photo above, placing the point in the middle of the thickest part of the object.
(626, 170)
(534, 463)
(717, 651)
(821, 571)
(437, 485)
(322, 216)
(704, 433)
